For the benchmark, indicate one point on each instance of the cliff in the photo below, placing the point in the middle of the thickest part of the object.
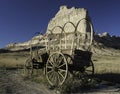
(69, 17)
(103, 43)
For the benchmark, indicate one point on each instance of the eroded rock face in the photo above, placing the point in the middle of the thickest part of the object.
(70, 19)
(73, 15)
(66, 15)
(24, 45)
(76, 24)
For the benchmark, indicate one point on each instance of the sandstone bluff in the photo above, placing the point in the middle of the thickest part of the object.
(63, 15)
(74, 15)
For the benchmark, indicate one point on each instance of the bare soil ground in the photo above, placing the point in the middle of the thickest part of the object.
(107, 75)
(11, 82)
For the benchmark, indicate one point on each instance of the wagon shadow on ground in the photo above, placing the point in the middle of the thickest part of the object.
(107, 82)
(110, 77)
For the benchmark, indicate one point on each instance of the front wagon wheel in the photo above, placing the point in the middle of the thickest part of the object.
(28, 68)
(56, 69)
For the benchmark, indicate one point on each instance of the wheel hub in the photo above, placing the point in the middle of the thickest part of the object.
(55, 69)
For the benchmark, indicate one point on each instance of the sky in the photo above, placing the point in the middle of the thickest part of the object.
(21, 19)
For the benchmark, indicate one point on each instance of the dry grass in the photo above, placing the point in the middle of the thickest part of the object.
(12, 59)
(103, 64)
(106, 64)
(107, 68)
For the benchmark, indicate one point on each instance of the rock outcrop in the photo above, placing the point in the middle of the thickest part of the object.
(66, 16)
(68, 19)
(107, 40)
(25, 45)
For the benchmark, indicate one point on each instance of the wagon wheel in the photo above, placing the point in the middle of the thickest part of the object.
(28, 68)
(56, 69)
(69, 60)
(88, 73)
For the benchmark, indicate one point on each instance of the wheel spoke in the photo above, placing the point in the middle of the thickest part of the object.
(61, 74)
(70, 62)
(55, 58)
(50, 62)
(62, 65)
(50, 67)
(49, 71)
(89, 70)
(68, 59)
(61, 70)
(50, 75)
(54, 79)
(58, 57)
(59, 60)
(58, 77)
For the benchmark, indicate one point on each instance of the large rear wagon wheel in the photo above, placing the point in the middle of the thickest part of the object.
(56, 69)
(88, 73)
(90, 70)
(28, 68)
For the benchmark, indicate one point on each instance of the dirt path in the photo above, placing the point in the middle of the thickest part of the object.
(12, 83)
